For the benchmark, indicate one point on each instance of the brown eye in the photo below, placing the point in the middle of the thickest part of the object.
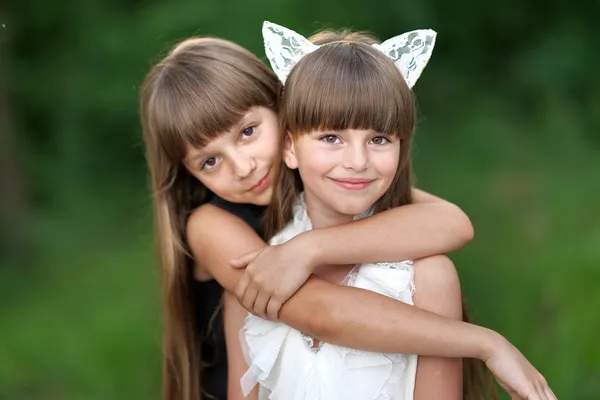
(209, 163)
(248, 132)
(379, 140)
(331, 139)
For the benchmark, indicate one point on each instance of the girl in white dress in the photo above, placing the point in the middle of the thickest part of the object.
(348, 116)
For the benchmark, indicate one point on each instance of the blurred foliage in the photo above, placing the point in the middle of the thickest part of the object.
(508, 130)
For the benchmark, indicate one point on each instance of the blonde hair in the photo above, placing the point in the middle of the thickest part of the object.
(199, 90)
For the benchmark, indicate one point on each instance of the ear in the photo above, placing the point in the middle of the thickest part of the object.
(289, 152)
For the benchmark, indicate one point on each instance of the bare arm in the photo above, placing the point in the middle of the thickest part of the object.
(438, 291)
(428, 227)
(420, 196)
(337, 314)
(359, 318)
(234, 314)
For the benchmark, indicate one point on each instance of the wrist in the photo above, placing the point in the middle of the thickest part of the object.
(310, 248)
(489, 343)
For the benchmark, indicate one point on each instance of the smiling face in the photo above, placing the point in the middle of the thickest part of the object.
(350, 118)
(344, 173)
(239, 165)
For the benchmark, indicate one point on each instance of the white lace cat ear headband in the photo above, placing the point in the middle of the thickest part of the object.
(409, 51)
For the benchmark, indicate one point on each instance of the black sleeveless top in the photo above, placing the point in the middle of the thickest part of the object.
(209, 316)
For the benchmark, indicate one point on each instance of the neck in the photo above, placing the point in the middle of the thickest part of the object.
(322, 216)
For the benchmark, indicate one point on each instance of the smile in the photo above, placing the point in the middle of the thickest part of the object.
(262, 184)
(353, 183)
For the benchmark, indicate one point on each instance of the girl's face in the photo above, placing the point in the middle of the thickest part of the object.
(344, 173)
(240, 165)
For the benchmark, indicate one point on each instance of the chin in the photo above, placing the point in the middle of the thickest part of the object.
(264, 199)
(354, 208)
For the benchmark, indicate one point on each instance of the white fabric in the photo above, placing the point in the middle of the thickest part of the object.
(282, 359)
(409, 51)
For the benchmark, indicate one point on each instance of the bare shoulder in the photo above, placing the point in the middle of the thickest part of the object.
(198, 235)
(438, 286)
(438, 271)
(209, 222)
(203, 219)
(215, 236)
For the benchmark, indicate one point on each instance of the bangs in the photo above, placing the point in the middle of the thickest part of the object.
(347, 85)
(198, 97)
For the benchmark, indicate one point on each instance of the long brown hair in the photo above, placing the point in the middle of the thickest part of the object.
(199, 90)
(347, 84)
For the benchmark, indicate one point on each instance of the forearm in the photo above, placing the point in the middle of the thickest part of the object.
(409, 232)
(439, 292)
(362, 319)
(365, 320)
(233, 316)
(337, 314)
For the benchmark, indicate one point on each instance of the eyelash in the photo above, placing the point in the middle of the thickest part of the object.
(243, 133)
(386, 140)
(325, 137)
(203, 164)
(252, 127)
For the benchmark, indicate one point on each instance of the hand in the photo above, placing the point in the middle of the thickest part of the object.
(272, 276)
(516, 374)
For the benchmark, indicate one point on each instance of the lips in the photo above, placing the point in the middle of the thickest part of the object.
(262, 184)
(352, 183)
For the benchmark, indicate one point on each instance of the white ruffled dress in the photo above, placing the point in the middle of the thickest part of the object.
(287, 366)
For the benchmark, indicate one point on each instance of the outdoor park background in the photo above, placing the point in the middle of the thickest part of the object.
(509, 129)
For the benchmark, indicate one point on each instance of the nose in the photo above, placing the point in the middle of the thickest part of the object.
(356, 157)
(243, 165)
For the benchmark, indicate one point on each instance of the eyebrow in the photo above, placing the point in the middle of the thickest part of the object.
(249, 116)
(246, 118)
(195, 158)
(340, 131)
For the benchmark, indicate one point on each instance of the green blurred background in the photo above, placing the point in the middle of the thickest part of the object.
(509, 130)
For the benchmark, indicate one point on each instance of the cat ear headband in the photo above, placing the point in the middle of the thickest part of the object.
(409, 51)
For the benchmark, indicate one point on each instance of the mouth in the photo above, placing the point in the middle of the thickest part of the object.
(353, 183)
(262, 184)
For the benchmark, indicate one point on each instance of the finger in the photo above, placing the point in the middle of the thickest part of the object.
(541, 393)
(273, 309)
(242, 286)
(549, 393)
(260, 305)
(529, 392)
(544, 391)
(243, 261)
(250, 298)
(533, 395)
(513, 395)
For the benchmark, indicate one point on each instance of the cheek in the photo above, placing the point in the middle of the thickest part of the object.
(315, 160)
(217, 184)
(269, 143)
(387, 163)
